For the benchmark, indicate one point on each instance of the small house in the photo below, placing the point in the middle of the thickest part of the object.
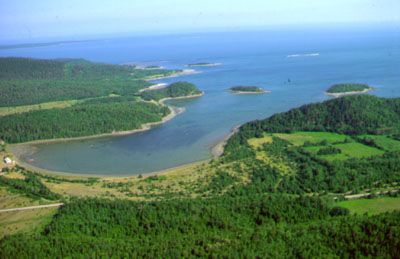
(7, 160)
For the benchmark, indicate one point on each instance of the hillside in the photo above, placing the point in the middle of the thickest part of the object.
(349, 115)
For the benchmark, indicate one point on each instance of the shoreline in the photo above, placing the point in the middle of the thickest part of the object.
(166, 171)
(217, 148)
(336, 95)
(21, 150)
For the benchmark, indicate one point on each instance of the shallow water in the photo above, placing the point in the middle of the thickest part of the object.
(248, 58)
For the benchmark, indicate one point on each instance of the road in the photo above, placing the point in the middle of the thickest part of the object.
(33, 207)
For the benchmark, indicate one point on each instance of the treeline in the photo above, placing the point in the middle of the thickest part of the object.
(67, 69)
(27, 92)
(178, 89)
(256, 226)
(94, 117)
(25, 81)
(30, 186)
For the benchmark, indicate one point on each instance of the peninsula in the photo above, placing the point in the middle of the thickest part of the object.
(46, 100)
(247, 90)
(347, 89)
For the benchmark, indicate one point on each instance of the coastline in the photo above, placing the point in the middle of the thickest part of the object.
(21, 150)
(336, 95)
(217, 148)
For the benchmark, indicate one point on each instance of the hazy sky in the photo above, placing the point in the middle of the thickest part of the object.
(33, 19)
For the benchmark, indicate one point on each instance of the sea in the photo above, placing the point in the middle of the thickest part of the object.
(277, 60)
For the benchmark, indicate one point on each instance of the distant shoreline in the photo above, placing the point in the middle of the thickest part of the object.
(349, 93)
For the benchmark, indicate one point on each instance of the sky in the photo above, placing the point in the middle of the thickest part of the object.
(30, 20)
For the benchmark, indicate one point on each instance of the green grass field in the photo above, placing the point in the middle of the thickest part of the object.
(349, 150)
(43, 106)
(258, 142)
(371, 206)
(298, 138)
(358, 150)
(384, 142)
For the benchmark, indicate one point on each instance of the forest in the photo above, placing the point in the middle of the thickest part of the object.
(92, 117)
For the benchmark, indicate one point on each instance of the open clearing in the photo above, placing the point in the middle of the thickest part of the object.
(298, 138)
(372, 206)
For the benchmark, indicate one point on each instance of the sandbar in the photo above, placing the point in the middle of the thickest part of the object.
(349, 93)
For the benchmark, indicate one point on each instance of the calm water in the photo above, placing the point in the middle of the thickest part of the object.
(252, 58)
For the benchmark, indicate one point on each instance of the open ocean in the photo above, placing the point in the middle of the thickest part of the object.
(368, 56)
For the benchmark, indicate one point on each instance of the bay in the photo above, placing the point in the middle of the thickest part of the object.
(361, 55)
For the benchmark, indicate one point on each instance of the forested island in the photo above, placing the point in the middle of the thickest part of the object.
(347, 89)
(65, 98)
(203, 64)
(247, 90)
(282, 188)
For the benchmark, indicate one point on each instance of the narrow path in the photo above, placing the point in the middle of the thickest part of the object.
(33, 207)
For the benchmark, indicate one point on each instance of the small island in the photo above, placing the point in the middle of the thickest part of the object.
(203, 64)
(247, 90)
(347, 89)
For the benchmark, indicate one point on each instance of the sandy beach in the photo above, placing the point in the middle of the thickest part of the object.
(153, 87)
(185, 72)
(217, 148)
(349, 93)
